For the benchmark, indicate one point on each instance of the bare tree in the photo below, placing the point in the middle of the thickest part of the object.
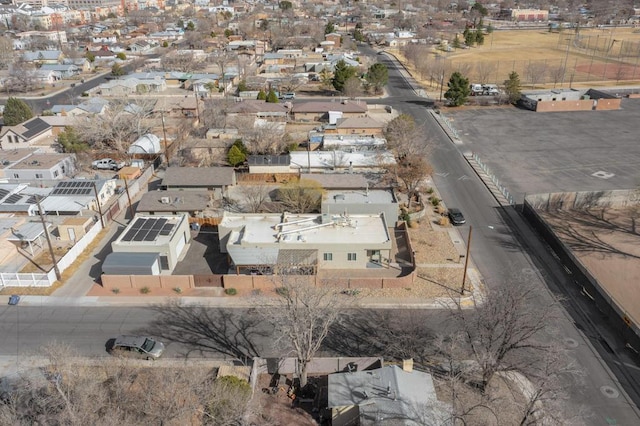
(406, 138)
(6, 52)
(484, 70)
(255, 197)
(262, 137)
(22, 77)
(119, 126)
(557, 74)
(352, 87)
(214, 114)
(504, 332)
(536, 72)
(302, 315)
(411, 171)
(223, 59)
(181, 61)
(303, 196)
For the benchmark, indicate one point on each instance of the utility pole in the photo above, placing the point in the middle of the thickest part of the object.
(126, 188)
(46, 234)
(466, 261)
(95, 191)
(164, 135)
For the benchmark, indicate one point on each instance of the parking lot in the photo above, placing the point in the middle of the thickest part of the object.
(549, 152)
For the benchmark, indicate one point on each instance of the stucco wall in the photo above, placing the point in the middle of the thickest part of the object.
(555, 106)
(138, 281)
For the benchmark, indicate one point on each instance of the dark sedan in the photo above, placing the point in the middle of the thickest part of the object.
(456, 217)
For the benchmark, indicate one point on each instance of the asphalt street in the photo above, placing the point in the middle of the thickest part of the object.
(505, 250)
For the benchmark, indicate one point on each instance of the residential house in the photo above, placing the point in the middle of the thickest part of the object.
(269, 164)
(363, 126)
(43, 57)
(320, 110)
(325, 161)
(352, 143)
(149, 245)
(24, 135)
(20, 199)
(47, 76)
(213, 179)
(13, 156)
(39, 167)
(76, 196)
(65, 71)
(362, 201)
(82, 64)
(304, 243)
(94, 105)
(335, 38)
(260, 110)
(399, 395)
(140, 46)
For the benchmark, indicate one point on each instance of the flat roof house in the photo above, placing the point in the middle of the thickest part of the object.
(303, 243)
(151, 240)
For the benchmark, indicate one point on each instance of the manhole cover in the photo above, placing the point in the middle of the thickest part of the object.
(570, 343)
(609, 392)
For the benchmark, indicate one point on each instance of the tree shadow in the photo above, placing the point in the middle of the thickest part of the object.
(237, 334)
(391, 334)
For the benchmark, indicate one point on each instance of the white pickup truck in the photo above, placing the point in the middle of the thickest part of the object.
(107, 164)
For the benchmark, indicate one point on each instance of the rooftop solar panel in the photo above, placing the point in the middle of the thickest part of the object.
(166, 229)
(151, 236)
(140, 236)
(159, 224)
(35, 127)
(3, 193)
(129, 235)
(12, 199)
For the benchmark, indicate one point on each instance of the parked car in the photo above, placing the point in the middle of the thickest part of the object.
(456, 217)
(137, 347)
(107, 164)
(290, 95)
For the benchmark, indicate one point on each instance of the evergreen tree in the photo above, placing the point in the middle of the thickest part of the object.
(235, 157)
(16, 111)
(459, 89)
(242, 86)
(262, 95)
(272, 97)
(341, 74)
(71, 142)
(479, 37)
(329, 28)
(456, 42)
(190, 26)
(285, 5)
(469, 37)
(378, 76)
(121, 56)
(513, 87)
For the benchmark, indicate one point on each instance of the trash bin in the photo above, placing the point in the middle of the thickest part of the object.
(14, 299)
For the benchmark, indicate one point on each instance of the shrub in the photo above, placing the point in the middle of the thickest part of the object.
(230, 291)
(405, 216)
(145, 290)
(282, 291)
(177, 290)
(435, 201)
(115, 290)
(429, 190)
(351, 292)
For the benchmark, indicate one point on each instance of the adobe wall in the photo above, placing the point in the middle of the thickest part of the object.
(608, 104)
(111, 282)
(559, 106)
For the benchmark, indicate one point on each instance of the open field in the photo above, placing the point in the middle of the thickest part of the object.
(544, 59)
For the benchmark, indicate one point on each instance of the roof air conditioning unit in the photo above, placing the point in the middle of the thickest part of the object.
(165, 200)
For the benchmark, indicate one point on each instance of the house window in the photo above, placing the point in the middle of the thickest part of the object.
(38, 175)
(351, 257)
(328, 257)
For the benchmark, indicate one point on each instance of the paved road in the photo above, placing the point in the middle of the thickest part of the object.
(504, 248)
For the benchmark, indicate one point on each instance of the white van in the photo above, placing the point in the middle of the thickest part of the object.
(476, 90)
(490, 89)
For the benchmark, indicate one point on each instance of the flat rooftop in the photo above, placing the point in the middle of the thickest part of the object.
(306, 229)
(150, 230)
(364, 196)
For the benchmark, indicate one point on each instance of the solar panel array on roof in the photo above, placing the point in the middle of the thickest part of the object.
(148, 229)
(73, 188)
(35, 127)
(12, 199)
(3, 193)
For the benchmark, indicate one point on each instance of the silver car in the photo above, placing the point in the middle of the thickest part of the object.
(137, 347)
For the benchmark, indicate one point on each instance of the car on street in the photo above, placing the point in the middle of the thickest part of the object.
(287, 96)
(456, 217)
(137, 347)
